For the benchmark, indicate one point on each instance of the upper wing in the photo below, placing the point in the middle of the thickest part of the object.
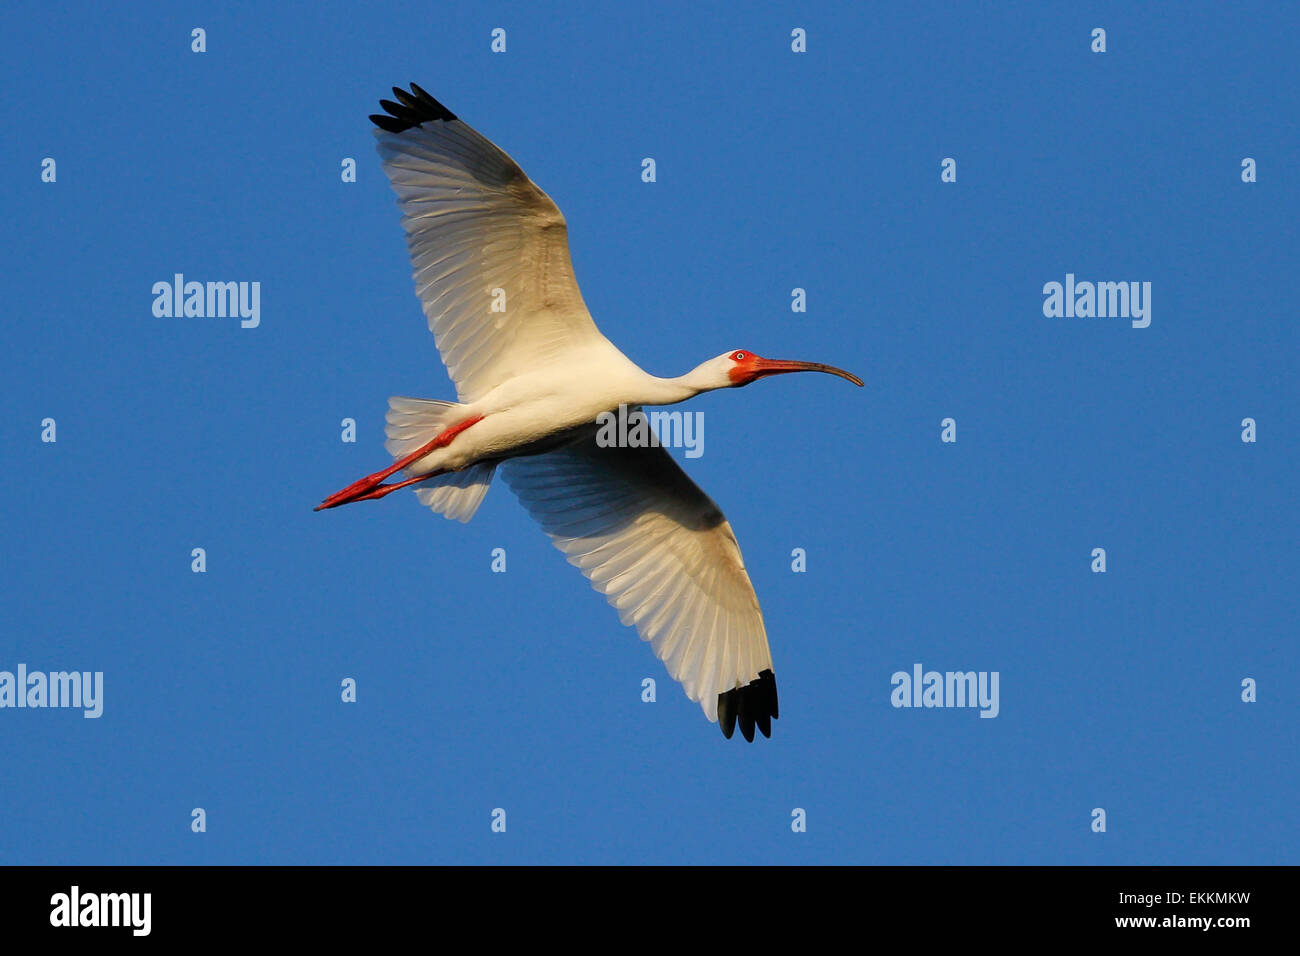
(476, 224)
(662, 553)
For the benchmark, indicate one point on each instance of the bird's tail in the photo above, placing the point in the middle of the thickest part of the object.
(413, 422)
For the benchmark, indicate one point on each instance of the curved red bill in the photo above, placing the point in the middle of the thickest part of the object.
(762, 367)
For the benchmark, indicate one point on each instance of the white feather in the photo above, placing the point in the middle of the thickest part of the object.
(660, 551)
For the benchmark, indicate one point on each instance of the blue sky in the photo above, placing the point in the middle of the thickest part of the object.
(775, 170)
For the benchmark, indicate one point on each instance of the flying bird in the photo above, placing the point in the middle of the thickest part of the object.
(532, 382)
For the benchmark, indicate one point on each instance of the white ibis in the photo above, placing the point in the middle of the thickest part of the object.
(532, 381)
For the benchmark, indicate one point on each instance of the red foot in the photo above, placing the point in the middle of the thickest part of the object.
(372, 486)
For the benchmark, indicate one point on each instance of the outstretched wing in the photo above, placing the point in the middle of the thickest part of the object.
(490, 250)
(662, 553)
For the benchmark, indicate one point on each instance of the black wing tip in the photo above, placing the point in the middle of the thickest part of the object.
(753, 705)
(411, 109)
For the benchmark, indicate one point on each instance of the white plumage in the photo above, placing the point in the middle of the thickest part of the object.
(660, 551)
(533, 373)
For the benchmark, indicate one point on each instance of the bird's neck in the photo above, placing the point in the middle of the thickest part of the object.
(670, 391)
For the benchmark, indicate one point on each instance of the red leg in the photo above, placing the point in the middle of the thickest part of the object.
(380, 490)
(366, 487)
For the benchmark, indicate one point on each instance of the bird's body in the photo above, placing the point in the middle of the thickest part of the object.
(534, 376)
(530, 412)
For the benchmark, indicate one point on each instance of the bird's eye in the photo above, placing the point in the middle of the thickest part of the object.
(738, 356)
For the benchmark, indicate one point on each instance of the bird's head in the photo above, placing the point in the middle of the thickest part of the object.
(741, 366)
